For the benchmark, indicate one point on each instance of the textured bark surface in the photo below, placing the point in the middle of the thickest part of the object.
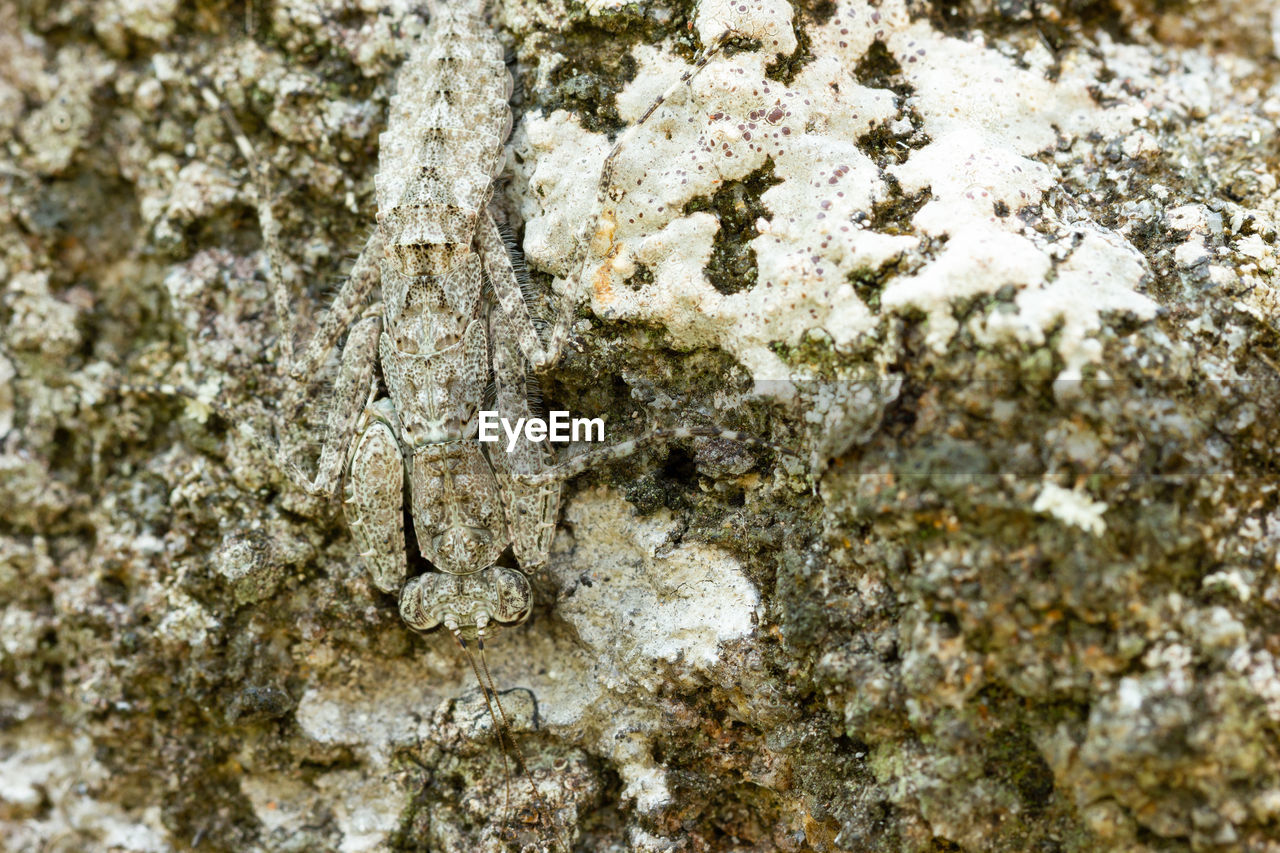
(1003, 274)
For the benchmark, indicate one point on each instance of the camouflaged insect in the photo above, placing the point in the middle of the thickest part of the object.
(442, 339)
(442, 343)
(452, 332)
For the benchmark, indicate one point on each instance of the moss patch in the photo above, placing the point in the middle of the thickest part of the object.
(738, 205)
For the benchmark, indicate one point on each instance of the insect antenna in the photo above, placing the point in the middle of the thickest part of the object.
(506, 767)
(710, 52)
(503, 725)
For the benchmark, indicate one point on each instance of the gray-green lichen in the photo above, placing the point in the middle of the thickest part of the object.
(1007, 285)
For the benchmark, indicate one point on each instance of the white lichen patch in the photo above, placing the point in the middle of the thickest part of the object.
(187, 623)
(968, 174)
(7, 375)
(586, 695)
(1099, 276)
(1072, 507)
(986, 116)
(644, 602)
(366, 809)
(375, 46)
(281, 803)
(963, 85)
(48, 782)
(731, 122)
(977, 126)
(550, 149)
(370, 710)
(984, 263)
(374, 710)
(39, 322)
(116, 21)
(768, 21)
(182, 195)
(646, 613)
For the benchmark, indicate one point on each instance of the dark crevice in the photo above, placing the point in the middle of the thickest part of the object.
(1005, 17)
(878, 69)
(868, 285)
(894, 214)
(890, 143)
(640, 278)
(590, 94)
(785, 68)
(738, 206)
(587, 83)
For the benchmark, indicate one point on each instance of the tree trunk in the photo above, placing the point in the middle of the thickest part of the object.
(1001, 275)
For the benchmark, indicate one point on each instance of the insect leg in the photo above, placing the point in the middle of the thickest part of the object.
(358, 356)
(266, 221)
(593, 458)
(374, 503)
(518, 322)
(350, 301)
(350, 391)
(530, 509)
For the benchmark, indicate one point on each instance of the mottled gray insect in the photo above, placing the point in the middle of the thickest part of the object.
(443, 341)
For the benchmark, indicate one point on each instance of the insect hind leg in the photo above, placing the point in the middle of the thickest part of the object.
(594, 458)
(302, 372)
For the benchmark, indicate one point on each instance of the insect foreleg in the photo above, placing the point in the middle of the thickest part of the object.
(349, 394)
(359, 356)
(266, 221)
(352, 299)
(507, 287)
(350, 391)
(355, 289)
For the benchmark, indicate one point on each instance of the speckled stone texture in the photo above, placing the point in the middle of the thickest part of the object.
(1002, 273)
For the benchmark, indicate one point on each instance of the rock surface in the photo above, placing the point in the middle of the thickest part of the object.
(1002, 273)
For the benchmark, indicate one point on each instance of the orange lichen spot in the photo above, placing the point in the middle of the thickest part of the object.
(602, 242)
(601, 285)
